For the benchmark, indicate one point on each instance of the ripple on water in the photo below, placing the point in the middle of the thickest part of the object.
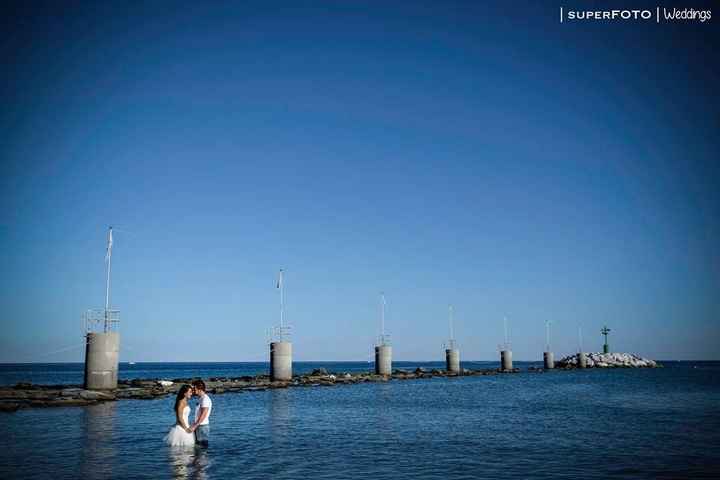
(593, 424)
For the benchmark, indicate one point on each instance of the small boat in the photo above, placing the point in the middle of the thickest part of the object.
(131, 363)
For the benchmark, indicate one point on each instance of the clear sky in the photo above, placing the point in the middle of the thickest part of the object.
(479, 154)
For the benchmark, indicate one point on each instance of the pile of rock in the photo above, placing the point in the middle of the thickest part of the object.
(24, 395)
(608, 360)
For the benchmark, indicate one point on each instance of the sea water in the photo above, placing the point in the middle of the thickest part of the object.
(619, 423)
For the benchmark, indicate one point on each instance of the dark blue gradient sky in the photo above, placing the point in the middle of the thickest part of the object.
(479, 154)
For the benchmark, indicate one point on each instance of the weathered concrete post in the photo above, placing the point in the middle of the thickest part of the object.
(506, 362)
(452, 354)
(280, 361)
(281, 348)
(452, 360)
(548, 357)
(582, 360)
(383, 350)
(505, 352)
(101, 360)
(102, 349)
(383, 359)
(548, 360)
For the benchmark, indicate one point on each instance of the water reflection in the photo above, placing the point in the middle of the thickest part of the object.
(385, 396)
(201, 463)
(280, 414)
(189, 462)
(98, 454)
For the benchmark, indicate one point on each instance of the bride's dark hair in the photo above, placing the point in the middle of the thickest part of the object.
(181, 394)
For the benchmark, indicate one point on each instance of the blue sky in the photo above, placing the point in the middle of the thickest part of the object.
(479, 154)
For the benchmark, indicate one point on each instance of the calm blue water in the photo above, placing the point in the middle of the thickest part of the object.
(662, 423)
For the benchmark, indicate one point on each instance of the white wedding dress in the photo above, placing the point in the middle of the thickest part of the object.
(177, 436)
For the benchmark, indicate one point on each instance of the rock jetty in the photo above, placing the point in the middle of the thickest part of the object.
(608, 360)
(26, 395)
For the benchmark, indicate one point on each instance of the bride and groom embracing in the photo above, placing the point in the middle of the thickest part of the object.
(183, 434)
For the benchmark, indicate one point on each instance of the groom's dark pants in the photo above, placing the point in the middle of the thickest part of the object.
(202, 435)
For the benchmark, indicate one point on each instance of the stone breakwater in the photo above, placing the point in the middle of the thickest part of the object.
(26, 395)
(608, 360)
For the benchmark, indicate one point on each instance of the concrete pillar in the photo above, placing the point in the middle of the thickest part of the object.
(101, 360)
(582, 360)
(452, 360)
(506, 360)
(280, 361)
(548, 360)
(383, 360)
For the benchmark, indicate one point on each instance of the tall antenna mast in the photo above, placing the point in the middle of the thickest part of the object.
(505, 329)
(382, 316)
(547, 336)
(580, 340)
(108, 258)
(282, 303)
(383, 339)
(451, 341)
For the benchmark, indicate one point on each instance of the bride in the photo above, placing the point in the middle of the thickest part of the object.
(180, 434)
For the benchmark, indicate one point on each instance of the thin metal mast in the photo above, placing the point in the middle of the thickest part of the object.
(282, 304)
(108, 257)
(547, 336)
(580, 340)
(505, 329)
(450, 321)
(382, 317)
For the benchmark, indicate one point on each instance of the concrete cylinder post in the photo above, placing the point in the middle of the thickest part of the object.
(548, 360)
(280, 361)
(582, 360)
(101, 360)
(506, 360)
(383, 360)
(452, 360)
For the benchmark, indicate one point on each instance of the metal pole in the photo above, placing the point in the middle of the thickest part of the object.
(580, 338)
(605, 330)
(547, 336)
(107, 285)
(450, 320)
(382, 317)
(505, 331)
(282, 304)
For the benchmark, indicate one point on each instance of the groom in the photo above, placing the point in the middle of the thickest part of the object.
(201, 425)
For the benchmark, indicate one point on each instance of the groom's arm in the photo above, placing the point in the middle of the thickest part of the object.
(201, 418)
